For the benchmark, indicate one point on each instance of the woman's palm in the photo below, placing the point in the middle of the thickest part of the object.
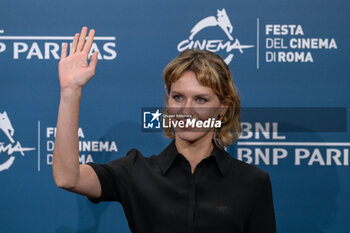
(74, 70)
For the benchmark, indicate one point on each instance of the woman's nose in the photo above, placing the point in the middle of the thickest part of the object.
(188, 103)
(187, 108)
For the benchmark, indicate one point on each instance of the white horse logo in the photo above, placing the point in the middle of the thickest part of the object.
(214, 45)
(222, 20)
(6, 127)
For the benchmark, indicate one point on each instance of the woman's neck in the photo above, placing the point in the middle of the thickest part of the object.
(195, 151)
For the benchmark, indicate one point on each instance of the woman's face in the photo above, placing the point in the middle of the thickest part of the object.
(190, 99)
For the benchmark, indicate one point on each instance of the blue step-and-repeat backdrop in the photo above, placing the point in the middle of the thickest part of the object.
(290, 62)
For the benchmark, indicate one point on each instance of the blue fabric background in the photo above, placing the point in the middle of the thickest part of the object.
(308, 199)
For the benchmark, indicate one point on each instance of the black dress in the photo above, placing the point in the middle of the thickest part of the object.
(159, 194)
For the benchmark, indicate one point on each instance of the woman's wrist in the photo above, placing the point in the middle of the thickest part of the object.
(71, 94)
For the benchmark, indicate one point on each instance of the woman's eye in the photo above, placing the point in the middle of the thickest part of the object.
(177, 97)
(201, 100)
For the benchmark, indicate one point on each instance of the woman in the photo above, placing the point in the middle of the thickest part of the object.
(193, 185)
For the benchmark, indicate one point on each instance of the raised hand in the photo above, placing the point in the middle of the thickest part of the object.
(74, 69)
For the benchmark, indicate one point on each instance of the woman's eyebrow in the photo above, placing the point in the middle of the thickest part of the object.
(176, 92)
(203, 95)
(197, 95)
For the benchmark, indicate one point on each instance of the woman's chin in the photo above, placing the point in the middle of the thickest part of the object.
(190, 135)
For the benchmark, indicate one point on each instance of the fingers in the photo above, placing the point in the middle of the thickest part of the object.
(64, 50)
(82, 39)
(93, 61)
(79, 44)
(74, 44)
(89, 41)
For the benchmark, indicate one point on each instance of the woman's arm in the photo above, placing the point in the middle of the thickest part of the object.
(74, 73)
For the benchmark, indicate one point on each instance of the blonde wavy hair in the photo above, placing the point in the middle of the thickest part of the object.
(211, 71)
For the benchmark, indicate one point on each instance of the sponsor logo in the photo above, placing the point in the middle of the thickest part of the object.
(268, 137)
(48, 47)
(227, 45)
(10, 148)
